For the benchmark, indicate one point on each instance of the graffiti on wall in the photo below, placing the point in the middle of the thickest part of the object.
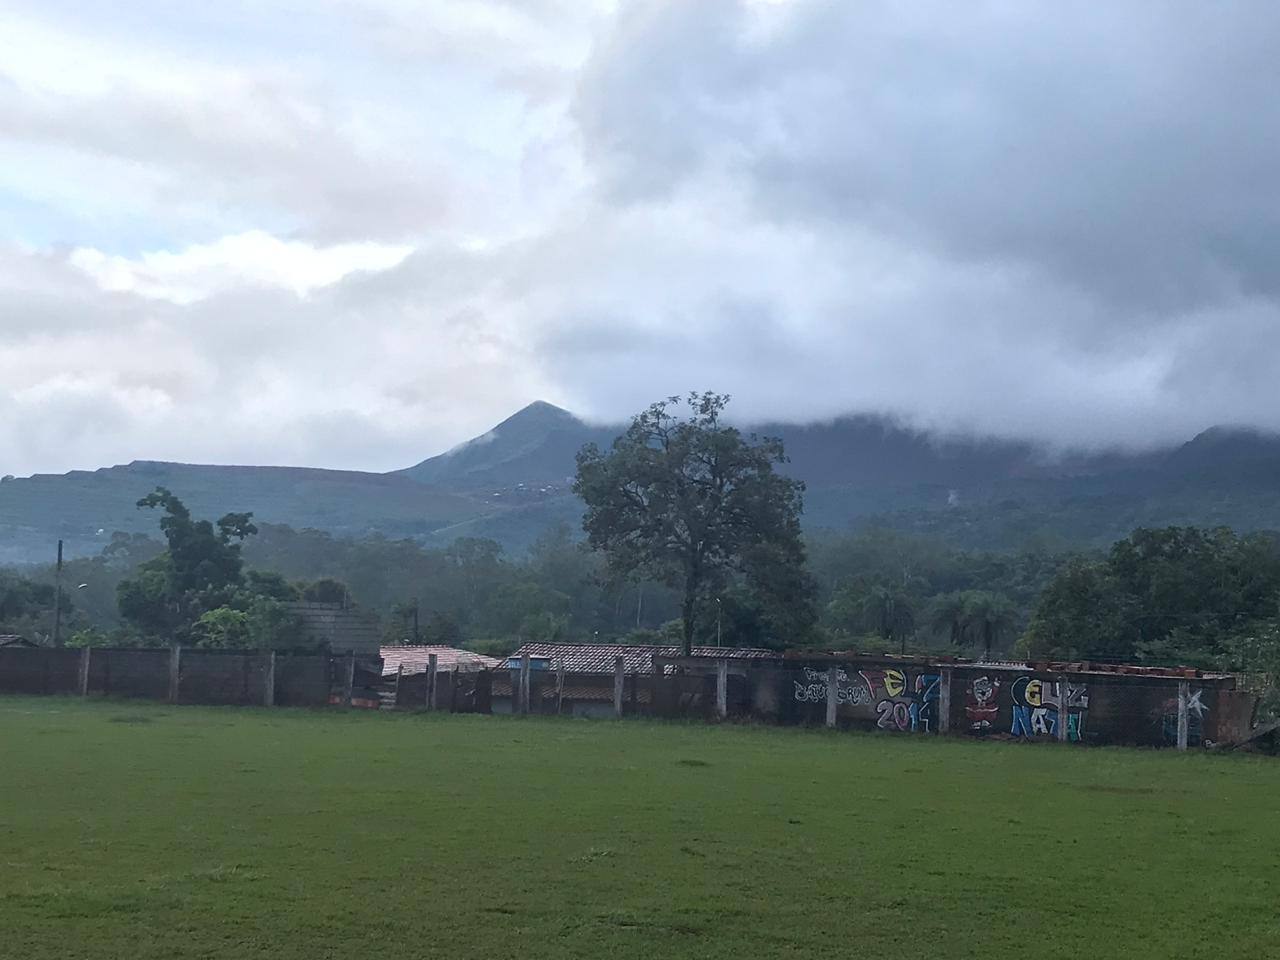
(1039, 706)
(814, 688)
(904, 702)
(1196, 710)
(980, 706)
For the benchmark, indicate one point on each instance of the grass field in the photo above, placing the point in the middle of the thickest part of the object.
(132, 830)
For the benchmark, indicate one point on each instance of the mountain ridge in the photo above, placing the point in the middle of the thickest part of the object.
(514, 480)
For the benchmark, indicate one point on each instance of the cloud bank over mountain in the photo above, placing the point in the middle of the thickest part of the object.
(352, 234)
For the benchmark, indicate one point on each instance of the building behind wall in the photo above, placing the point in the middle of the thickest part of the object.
(589, 674)
(342, 629)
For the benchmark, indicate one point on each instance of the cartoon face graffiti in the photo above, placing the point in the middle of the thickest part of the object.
(980, 703)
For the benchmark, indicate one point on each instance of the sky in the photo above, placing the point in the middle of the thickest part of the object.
(353, 233)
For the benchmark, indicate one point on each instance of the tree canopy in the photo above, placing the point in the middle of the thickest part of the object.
(691, 503)
(1177, 594)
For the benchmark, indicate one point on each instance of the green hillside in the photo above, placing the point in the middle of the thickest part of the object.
(514, 481)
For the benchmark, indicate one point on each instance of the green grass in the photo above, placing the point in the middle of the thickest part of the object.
(137, 831)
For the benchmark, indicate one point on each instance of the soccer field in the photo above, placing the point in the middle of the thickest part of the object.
(133, 830)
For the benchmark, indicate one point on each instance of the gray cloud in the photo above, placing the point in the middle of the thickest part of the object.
(1120, 148)
(1040, 220)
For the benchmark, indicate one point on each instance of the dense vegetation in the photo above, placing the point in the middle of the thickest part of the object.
(1174, 595)
(691, 536)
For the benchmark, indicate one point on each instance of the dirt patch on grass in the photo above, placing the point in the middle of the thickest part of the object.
(1120, 791)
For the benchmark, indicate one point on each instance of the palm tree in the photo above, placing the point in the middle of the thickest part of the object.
(989, 616)
(948, 613)
(886, 611)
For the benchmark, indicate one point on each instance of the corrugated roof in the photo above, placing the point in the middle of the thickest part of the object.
(414, 659)
(637, 658)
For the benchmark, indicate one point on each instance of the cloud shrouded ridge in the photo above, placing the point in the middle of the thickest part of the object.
(359, 242)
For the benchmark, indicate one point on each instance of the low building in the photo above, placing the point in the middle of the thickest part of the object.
(578, 679)
(409, 660)
(341, 628)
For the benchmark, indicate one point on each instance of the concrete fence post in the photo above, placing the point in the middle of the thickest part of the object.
(85, 654)
(175, 672)
(1064, 711)
(1184, 713)
(833, 694)
(619, 681)
(722, 688)
(944, 701)
(657, 687)
(269, 681)
(526, 665)
(433, 667)
(349, 682)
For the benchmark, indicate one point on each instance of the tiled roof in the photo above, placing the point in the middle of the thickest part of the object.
(637, 658)
(414, 659)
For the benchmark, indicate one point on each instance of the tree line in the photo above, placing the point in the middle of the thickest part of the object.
(689, 536)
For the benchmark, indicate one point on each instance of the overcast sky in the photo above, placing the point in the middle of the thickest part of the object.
(352, 233)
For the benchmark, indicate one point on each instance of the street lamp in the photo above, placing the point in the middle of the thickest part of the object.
(718, 608)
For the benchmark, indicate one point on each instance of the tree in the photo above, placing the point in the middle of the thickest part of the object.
(441, 630)
(223, 628)
(948, 614)
(886, 610)
(265, 583)
(1171, 595)
(987, 618)
(1255, 648)
(271, 626)
(200, 571)
(690, 503)
(26, 607)
(325, 590)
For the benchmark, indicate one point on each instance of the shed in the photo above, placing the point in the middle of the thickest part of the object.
(589, 674)
(414, 659)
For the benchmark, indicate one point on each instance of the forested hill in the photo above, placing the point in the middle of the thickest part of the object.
(513, 482)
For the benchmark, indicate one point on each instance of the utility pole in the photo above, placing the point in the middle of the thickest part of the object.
(416, 637)
(57, 600)
(718, 622)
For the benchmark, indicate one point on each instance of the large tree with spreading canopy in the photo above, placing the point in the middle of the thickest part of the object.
(692, 503)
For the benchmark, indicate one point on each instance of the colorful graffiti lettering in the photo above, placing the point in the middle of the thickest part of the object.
(980, 707)
(907, 705)
(1040, 705)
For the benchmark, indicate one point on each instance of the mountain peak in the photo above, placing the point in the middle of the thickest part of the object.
(535, 445)
(1228, 449)
(539, 412)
